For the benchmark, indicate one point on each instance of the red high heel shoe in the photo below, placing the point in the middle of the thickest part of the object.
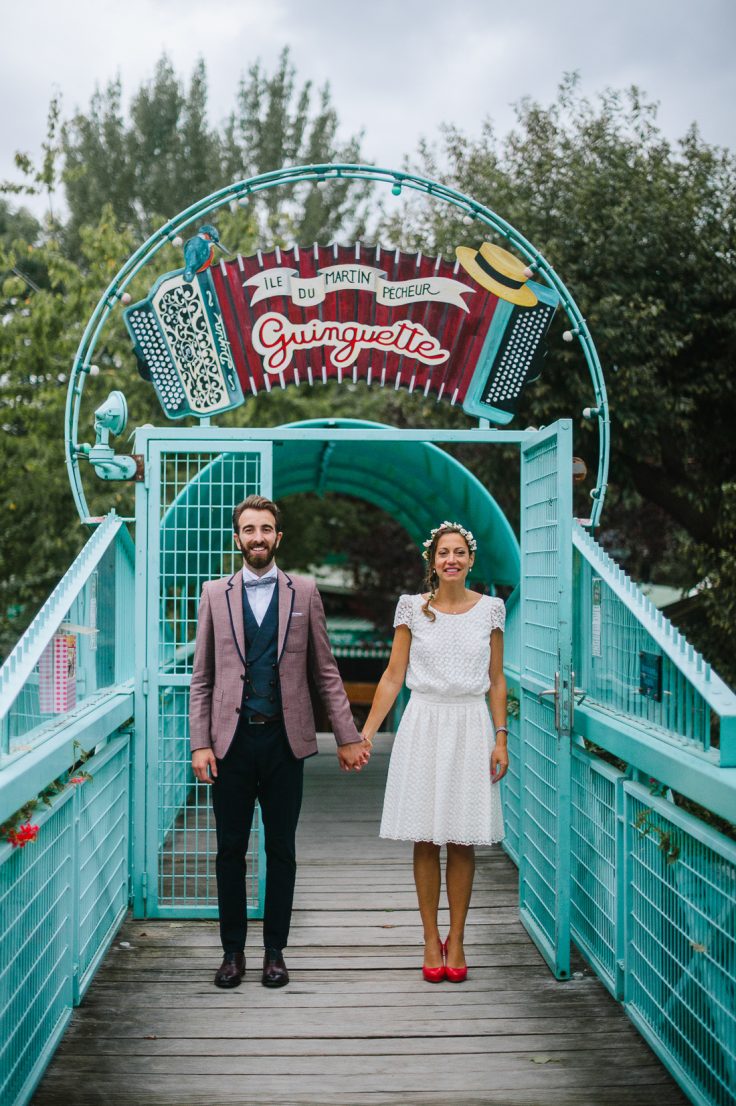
(455, 975)
(435, 975)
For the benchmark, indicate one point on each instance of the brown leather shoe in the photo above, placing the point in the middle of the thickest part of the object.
(231, 971)
(274, 969)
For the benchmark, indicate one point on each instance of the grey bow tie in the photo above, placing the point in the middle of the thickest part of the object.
(260, 582)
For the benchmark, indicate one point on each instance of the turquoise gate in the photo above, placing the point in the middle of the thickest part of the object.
(184, 538)
(546, 696)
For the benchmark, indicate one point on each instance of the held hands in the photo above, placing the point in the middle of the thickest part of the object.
(353, 757)
(499, 762)
(204, 765)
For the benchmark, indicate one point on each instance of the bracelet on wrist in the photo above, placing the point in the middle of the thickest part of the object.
(502, 729)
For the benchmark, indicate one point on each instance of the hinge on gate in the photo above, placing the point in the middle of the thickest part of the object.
(144, 681)
(144, 886)
(140, 468)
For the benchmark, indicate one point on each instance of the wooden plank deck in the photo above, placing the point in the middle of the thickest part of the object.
(357, 1025)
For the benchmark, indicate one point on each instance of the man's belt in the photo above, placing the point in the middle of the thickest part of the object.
(261, 719)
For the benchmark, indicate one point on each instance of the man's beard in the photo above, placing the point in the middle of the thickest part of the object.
(257, 559)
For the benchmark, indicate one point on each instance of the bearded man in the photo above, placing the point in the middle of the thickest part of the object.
(251, 726)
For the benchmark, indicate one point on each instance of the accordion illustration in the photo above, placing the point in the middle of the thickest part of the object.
(182, 348)
(345, 313)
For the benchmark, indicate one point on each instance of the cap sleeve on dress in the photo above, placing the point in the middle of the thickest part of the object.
(498, 614)
(404, 611)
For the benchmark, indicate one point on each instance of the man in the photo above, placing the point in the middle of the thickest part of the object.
(251, 725)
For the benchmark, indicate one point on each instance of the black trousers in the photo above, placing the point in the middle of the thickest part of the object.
(258, 765)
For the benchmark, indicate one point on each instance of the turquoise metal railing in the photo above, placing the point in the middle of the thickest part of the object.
(652, 887)
(615, 624)
(79, 644)
(62, 899)
(63, 895)
(653, 908)
(596, 860)
(680, 958)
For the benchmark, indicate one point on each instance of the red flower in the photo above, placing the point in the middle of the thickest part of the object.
(20, 837)
(78, 779)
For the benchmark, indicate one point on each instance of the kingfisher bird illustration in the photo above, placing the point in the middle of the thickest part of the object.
(199, 252)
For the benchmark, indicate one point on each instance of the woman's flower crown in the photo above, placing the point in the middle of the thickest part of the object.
(455, 527)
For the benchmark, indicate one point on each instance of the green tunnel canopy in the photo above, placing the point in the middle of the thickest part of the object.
(416, 482)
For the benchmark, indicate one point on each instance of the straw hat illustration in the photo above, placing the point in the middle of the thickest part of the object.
(498, 271)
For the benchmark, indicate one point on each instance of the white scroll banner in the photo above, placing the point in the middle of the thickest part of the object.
(395, 293)
(311, 291)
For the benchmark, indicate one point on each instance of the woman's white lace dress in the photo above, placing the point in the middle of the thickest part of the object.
(439, 779)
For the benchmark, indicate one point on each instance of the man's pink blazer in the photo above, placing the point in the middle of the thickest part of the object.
(219, 664)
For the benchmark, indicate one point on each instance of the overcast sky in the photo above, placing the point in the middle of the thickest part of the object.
(397, 68)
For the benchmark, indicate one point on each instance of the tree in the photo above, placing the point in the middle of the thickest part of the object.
(166, 155)
(643, 232)
(42, 325)
(274, 125)
(122, 174)
(148, 166)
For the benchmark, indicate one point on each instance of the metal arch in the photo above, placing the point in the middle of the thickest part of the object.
(238, 192)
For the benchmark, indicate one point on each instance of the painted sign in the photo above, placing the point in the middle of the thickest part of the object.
(469, 330)
(596, 620)
(650, 675)
(57, 674)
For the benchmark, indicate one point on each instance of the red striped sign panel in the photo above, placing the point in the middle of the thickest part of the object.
(468, 331)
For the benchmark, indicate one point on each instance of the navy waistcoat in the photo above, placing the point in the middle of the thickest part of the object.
(261, 687)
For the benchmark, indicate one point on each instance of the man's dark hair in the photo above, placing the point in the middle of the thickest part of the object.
(256, 503)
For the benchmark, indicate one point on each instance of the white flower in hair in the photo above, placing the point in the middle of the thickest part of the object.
(454, 526)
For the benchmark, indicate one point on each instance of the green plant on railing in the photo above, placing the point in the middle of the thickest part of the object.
(658, 789)
(18, 830)
(513, 706)
(668, 841)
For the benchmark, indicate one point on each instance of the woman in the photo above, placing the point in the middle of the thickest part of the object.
(447, 755)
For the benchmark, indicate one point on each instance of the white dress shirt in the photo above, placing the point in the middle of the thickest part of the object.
(259, 598)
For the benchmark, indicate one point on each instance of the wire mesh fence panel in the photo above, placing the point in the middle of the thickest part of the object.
(681, 949)
(198, 492)
(634, 663)
(595, 863)
(80, 647)
(36, 947)
(102, 854)
(186, 874)
(62, 898)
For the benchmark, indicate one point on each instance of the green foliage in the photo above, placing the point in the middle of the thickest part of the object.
(668, 840)
(715, 566)
(40, 534)
(274, 125)
(148, 166)
(122, 174)
(41, 178)
(644, 233)
(166, 155)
